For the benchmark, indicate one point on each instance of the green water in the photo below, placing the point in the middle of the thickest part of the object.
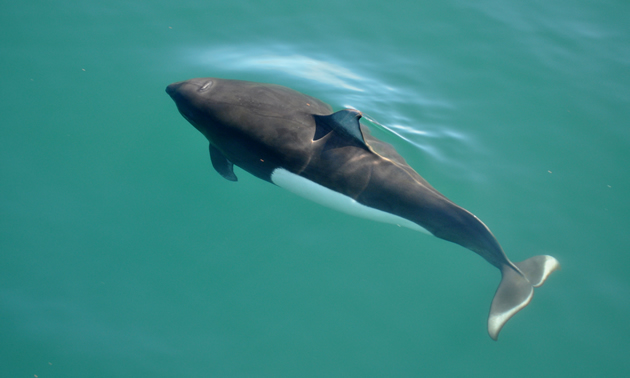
(124, 254)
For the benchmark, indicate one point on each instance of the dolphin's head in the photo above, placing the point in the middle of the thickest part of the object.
(222, 107)
(185, 91)
(195, 101)
(215, 105)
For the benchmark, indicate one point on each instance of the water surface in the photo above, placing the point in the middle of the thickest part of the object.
(124, 254)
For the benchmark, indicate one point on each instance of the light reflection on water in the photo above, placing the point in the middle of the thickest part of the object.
(278, 58)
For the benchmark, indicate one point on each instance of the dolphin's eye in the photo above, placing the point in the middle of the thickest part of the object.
(205, 87)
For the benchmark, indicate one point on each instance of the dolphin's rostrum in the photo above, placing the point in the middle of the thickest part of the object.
(296, 142)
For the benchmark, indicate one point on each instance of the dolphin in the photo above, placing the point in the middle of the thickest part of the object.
(296, 142)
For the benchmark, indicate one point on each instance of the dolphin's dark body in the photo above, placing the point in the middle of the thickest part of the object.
(292, 140)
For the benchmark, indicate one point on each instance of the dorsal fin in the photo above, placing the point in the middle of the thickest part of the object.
(344, 122)
(222, 164)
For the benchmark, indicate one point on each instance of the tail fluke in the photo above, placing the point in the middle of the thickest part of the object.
(517, 288)
(536, 269)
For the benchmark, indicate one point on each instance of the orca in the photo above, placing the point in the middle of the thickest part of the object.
(296, 142)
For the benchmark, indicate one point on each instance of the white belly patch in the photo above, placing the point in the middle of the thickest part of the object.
(324, 196)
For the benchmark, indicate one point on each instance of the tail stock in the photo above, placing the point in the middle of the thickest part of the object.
(517, 288)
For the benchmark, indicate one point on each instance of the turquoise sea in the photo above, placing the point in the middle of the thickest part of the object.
(124, 254)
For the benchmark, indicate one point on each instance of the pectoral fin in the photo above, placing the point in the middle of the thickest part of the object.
(222, 164)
